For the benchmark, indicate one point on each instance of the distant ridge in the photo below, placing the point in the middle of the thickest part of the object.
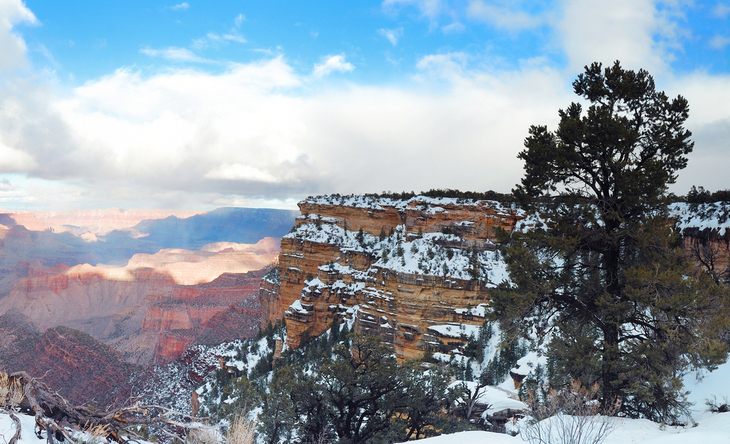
(241, 225)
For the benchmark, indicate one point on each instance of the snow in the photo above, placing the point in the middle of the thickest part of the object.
(27, 424)
(424, 202)
(710, 428)
(480, 311)
(297, 307)
(470, 438)
(455, 330)
(708, 385)
(713, 216)
(27, 435)
(497, 398)
(526, 364)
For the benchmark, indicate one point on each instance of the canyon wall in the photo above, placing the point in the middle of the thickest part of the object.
(414, 272)
(157, 305)
(417, 272)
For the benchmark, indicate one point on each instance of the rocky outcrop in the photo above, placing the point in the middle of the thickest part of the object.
(222, 310)
(80, 368)
(414, 272)
(417, 272)
(705, 228)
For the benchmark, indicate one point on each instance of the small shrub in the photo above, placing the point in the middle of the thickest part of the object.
(572, 415)
(205, 435)
(241, 431)
(11, 392)
(716, 406)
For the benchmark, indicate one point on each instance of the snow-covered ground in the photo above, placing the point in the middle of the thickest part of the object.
(710, 428)
(27, 435)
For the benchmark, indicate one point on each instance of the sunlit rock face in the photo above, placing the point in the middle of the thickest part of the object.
(415, 272)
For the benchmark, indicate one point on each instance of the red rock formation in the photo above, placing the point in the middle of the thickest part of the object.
(134, 310)
(219, 311)
(434, 289)
(170, 347)
(81, 369)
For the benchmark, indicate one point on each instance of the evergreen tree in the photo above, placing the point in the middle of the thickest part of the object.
(606, 273)
(277, 418)
(364, 389)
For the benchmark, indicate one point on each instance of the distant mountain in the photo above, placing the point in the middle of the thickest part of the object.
(241, 225)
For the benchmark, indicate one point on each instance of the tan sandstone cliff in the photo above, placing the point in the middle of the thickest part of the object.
(414, 272)
(417, 272)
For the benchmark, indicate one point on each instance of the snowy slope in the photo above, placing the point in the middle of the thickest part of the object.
(711, 428)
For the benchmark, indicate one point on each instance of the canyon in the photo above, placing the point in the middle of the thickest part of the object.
(148, 283)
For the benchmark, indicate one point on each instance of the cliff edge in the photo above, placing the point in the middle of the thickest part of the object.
(415, 272)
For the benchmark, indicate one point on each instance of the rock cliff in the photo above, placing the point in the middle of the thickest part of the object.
(415, 272)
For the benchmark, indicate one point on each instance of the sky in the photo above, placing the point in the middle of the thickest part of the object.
(197, 105)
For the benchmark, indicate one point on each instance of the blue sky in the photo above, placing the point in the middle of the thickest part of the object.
(142, 104)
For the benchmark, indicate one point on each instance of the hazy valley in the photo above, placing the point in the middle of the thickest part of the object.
(145, 284)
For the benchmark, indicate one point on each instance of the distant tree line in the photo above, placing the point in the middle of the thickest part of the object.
(696, 195)
(699, 195)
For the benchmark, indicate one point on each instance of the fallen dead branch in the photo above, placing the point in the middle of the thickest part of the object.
(54, 415)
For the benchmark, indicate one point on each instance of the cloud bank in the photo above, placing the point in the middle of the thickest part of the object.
(264, 134)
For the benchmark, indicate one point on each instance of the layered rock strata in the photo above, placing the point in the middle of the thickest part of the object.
(414, 272)
(417, 272)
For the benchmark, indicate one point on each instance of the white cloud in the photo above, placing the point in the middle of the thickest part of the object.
(632, 31)
(391, 34)
(261, 134)
(13, 160)
(240, 18)
(241, 172)
(444, 64)
(174, 54)
(335, 63)
(501, 15)
(215, 39)
(721, 10)
(453, 27)
(233, 37)
(185, 138)
(709, 120)
(719, 42)
(180, 7)
(12, 46)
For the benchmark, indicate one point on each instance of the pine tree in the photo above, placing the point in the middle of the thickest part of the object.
(607, 274)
